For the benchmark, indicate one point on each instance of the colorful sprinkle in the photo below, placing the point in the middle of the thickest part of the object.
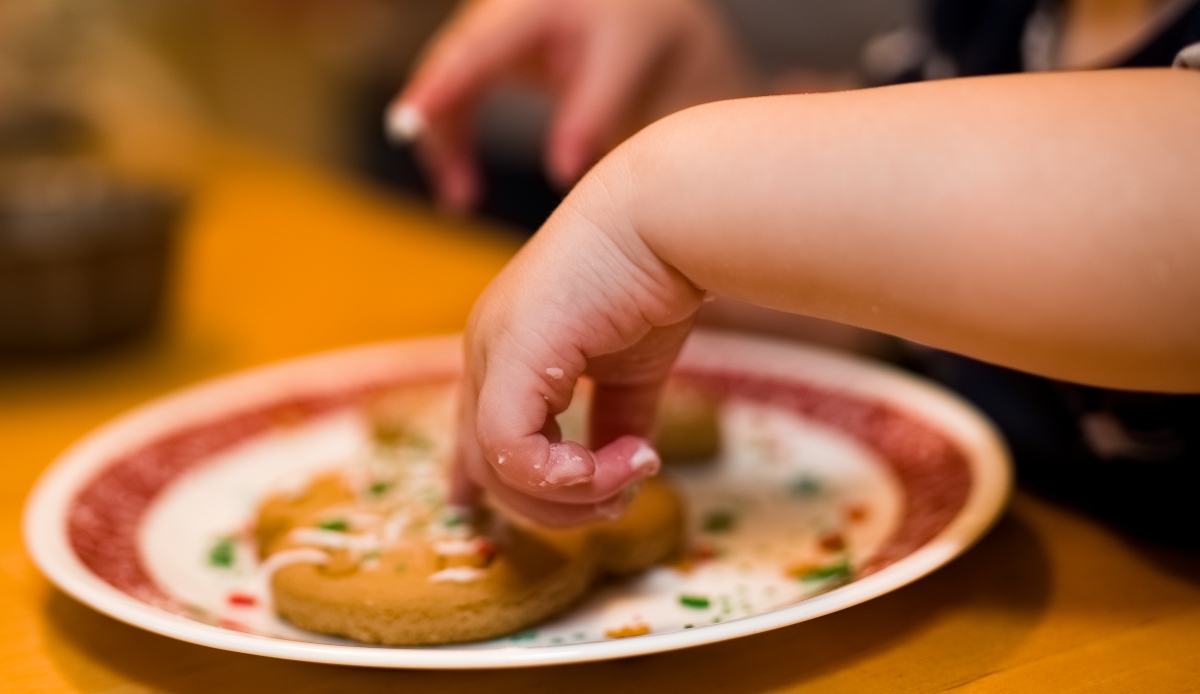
(805, 487)
(719, 522)
(856, 513)
(840, 571)
(696, 602)
(242, 599)
(527, 635)
(378, 489)
(222, 553)
(335, 524)
(628, 630)
(833, 542)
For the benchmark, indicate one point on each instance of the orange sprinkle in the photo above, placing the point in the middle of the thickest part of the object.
(684, 564)
(634, 629)
(800, 569)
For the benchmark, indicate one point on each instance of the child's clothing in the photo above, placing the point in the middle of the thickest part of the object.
(1130, 457)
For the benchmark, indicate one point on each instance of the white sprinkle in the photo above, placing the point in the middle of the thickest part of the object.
(394, 528)
(642, 457)
(457, 548)
(404, 124)
(500, 460)
(457, 574)
(554, 372)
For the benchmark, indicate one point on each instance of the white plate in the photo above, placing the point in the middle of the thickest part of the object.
(124, 519)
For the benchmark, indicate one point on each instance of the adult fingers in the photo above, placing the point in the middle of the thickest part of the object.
(602, 86)
(447, 154)
(463, 60)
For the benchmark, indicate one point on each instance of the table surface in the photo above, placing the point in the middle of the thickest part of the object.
(278, 260)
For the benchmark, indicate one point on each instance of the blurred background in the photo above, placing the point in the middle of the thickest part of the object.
(110, 108)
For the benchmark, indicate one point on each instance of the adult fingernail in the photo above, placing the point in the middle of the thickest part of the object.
(404, 124)
(568, 464)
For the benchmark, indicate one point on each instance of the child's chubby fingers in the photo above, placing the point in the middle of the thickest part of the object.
(473, 474)
(524, 385)
(483, 475)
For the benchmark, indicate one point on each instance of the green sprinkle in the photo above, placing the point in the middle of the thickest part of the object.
(222, 553)
(453, 521)
(335, 524)
(689, 626)
(378, 489)
(696, 602)
(840, 571)
(418, 441)
(401, 567)
(806, 487)
(388, 434)
(718, 522)
(556, 640)
(527, 635)
(579, 636)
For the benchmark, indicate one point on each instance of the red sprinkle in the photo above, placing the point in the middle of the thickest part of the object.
(243, 599)
(856, 512)
(833, 542)
(703, 551)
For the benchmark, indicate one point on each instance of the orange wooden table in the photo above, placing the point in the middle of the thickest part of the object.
(279, 261)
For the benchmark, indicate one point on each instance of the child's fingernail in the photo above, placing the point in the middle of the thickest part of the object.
(404, 124)
(645, 461)
(569, 463)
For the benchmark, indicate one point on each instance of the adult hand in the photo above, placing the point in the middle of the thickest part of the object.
(611, 65)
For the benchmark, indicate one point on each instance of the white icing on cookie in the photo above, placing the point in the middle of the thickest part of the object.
(457, 574)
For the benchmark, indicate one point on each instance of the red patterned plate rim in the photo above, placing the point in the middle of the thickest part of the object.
(948, 459)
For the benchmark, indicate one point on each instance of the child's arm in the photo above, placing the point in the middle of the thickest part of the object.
(1045, 222)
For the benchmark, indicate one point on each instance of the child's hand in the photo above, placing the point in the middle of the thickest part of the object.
(586, 295)
(613, 66)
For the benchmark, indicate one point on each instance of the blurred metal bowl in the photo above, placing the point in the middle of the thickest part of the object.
(84, 253)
